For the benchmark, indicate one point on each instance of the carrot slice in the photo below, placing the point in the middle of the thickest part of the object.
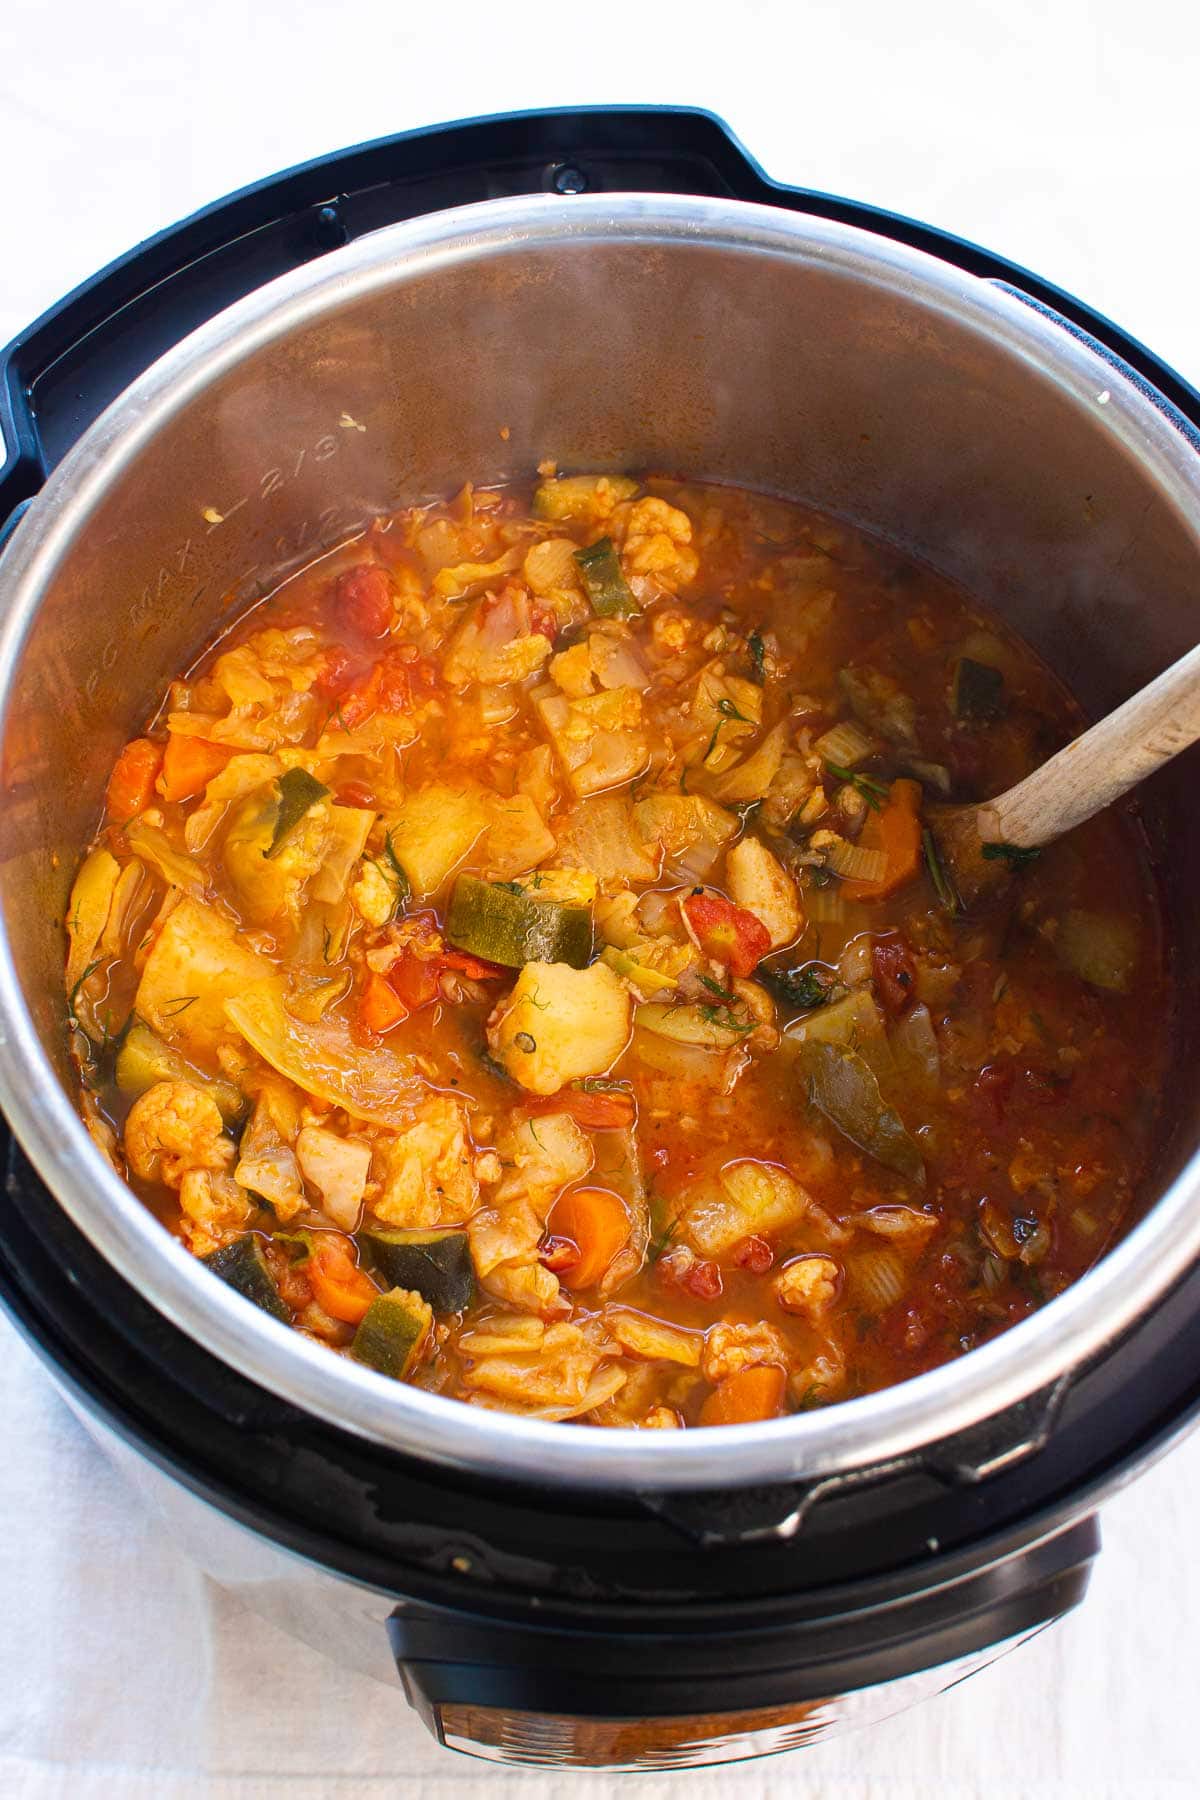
(897, 832)
(597, 1222)
(338, 1285)
(131, 784)
(753, 1393)
(379, 1005)
(189, 764)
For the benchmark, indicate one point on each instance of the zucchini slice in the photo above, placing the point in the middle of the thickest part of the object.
(392, 1331)
(143, 1059)
(514, 928)
(434, 1264)
(977, 690)
(605, 585)
(244, 1267)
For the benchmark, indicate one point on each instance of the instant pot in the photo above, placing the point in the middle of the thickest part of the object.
(613, 288)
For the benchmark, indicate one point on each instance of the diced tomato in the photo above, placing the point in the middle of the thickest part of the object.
(474, 966)
(388, 686)
(379, 1005)
(895, 973)
(703, 1281)
(542, 623)
(754, 1254)
(363, 597)
(726, 932)
(415, 980)
(1045, 1089)
(558, 1254)
(131, 784)
(337, 671)
(594, 1111)
(993, 1086)
(354, 793)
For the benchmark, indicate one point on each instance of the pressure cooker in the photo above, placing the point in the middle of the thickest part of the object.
(612, 288)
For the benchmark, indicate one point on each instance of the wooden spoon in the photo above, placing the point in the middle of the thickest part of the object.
(1085, 777)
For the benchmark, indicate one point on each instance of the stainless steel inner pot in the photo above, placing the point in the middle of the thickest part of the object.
(698, 336)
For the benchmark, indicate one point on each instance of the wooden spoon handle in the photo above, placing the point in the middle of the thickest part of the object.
(1152, 727)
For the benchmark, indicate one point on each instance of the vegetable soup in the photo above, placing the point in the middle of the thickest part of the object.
(519, 957)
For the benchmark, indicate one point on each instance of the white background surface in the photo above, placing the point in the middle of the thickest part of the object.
(1060, 134)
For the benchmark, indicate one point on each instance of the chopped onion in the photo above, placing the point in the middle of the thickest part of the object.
(877, 1279)
(854, 862)
(846, 744)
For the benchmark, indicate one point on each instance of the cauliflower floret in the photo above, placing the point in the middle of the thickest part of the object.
(655, 541)
(759, 882)
(728, 1348)
(671, 632)
(372, 895)
(818, 1379)
(660, 1418)
(337, 1167)
(214, 1209)
(560, 1023)
(541, 1157)
(426, 1176)
(810, 1285)
(173, 1127)
(571, 670)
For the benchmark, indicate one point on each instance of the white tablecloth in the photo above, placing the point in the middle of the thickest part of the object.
(1063, 136)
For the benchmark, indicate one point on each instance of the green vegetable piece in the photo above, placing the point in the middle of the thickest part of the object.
(392, 1331)
(244, 1266)
(1015, 855)
(939, 874)
(488, 919)
(607, 588)
(842, 1086)
(976, 691)
(757, 649)
(143, 1060)
(298, 790)
(1101, 948)
(396, 875)
(434, 1264)
(298, 1244)
(808, 987)
(575, 496)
